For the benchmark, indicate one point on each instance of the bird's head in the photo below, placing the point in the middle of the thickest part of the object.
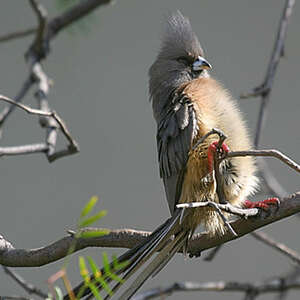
(180, 58)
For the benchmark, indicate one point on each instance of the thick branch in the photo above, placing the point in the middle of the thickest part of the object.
(128, 238)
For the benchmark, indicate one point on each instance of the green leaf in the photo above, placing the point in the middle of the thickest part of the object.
(83, 269)
(94, 267)
(98, 275)
(95, 291)
(93, 233)
(106, 265)
(89, 206)
(93, 219)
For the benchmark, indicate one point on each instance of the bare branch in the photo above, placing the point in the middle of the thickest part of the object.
(229, 208)
(17, 34)
(61, 21)
(14, 298)
(271, 153)
(73, 147)
(265, 88)
(24, 149)
(264, 91)
(28, 287)
(73, 14)
(293, 255)
(254, 289)
(128, 238)
(40, 46)
(9, 109)
(37, 51)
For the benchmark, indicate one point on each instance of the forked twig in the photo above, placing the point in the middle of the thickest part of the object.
(73, 144)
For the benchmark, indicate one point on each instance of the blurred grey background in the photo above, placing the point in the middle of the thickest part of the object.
(100, 89)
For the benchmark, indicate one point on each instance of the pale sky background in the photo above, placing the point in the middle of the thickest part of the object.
(101, 91)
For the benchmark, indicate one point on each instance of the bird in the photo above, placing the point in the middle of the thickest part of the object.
(187, 104)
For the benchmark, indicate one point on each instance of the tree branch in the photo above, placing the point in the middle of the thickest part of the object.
(72, 148)
(293, 255)
(275, 285)
(28, 287)
(61, 21)
(264, 91)
(17, 34)
(73, 14)
(270, 153)
(128, 238)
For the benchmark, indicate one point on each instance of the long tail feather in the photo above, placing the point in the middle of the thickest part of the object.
(138, 255)
(146, 253)
(157, 264)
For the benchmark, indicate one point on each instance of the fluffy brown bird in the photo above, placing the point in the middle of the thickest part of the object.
(187, 103)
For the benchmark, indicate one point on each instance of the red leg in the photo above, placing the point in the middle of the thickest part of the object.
(264, 204)
(213, 147)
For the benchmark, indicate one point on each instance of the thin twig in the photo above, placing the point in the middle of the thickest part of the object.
(17, 34)
(10, 108)
(265, 88)
(274, 285)
(73, 14)
(14, 298)
(52, 114)
(229, 208)
(24, 149)
(28, 287)
(271, 153)
(39, 47)
(292, 254)
(61, 21)
(38, 50)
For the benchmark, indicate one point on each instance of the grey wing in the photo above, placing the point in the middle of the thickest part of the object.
(176, 130)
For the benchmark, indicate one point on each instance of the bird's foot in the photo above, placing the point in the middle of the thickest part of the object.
(264, 204)
(212, 149)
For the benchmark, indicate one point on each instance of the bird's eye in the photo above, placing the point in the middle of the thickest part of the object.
(183, 60)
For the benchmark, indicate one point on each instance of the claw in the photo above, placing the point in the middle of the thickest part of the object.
(264, 204)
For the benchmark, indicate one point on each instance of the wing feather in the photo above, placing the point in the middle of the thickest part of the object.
(176, 130)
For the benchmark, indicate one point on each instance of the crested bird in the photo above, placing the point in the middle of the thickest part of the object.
(188, 103)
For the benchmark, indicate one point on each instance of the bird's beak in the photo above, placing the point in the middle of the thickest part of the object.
(201, 64)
